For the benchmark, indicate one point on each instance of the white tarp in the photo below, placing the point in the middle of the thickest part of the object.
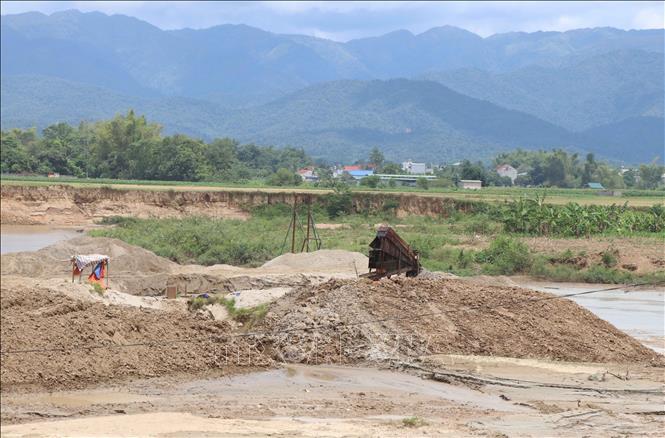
(82, 261)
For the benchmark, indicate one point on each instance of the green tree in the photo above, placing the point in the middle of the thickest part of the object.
(15, 156)
(629, 178)
(182, 159)
(222, 156)
(651, 175)
(470, 170)
(125, 147)
(590, 167)
(284, 177)
(376, 157)
(371, 181)
(422, 183)
(61, 150)
(391, 169)
(555, 172)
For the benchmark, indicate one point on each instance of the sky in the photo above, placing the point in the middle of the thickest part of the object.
(342, 21)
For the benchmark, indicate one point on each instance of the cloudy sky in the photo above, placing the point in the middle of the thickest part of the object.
(342, 21)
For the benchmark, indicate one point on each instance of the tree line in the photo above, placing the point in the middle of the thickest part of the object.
(556, 168)
(129, 147)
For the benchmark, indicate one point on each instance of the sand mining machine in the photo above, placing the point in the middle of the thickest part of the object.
(390, 255)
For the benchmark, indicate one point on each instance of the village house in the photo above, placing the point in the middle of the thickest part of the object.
(308, 175)
(414, 168)
(471, 184)
(507, 170)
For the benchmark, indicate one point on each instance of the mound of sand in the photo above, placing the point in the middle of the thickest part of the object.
(416, 317)
(35, 318)
(333, 260)
(53, 261)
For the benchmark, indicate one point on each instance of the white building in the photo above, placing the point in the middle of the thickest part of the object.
(414, 168)
(471, 184)
(507, 170)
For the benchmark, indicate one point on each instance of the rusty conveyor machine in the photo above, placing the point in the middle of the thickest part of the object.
(390, 255)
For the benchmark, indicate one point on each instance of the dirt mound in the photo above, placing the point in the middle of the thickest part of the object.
(54, 259)
(168, 342)
(416, 317)
(131, 268)
(324, 260)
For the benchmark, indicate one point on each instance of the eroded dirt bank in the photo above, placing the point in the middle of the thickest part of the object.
(68, 205)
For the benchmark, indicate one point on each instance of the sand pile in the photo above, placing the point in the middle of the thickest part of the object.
(35, 318)
(325, 260)
(53, 261)
(482, 320)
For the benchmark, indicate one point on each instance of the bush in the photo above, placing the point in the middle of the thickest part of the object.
(482, 224)
(390, 206)
(339, 202)
(505, 256)
(413, 422)
(371, 181)
(284, 177)
(422, 183)
(609, 257)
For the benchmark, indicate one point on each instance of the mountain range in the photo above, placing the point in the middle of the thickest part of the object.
(440, 95)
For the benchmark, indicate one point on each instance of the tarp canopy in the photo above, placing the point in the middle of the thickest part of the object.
(81, 261)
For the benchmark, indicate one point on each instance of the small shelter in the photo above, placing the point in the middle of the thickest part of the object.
(595, 186)
(100, 270)
(472, 184)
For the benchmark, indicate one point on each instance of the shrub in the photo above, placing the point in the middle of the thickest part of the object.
(482, 224)
(609, 257)
(284, 177)
(371, 181)
(505, 256)
(339, 202)
(97, 288)
(422, 183)
(413, 422)
(390, 206)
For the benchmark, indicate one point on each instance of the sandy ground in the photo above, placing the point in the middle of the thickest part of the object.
(126, 363)
(333, 401)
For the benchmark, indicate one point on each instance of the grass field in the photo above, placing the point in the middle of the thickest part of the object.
(635, 198)
(464, 244)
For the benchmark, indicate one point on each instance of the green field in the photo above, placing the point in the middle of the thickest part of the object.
(635, 198)
(463, 243)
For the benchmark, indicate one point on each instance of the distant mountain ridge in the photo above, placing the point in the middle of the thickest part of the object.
(443, 94)
(232, 60)
(591, 92)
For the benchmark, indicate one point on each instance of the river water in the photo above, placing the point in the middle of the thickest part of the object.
(16, 238)
(641, 313)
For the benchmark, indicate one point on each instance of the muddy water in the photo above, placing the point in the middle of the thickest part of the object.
(640, 313)
(16, 238)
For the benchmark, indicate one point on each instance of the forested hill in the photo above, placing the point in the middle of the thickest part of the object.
(597, 90)
(582, 94)
(421, 120)
(409, 119)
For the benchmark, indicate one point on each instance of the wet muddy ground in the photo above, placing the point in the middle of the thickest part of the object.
(300, 400)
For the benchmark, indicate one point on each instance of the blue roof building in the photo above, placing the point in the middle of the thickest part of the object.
(360, 174)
